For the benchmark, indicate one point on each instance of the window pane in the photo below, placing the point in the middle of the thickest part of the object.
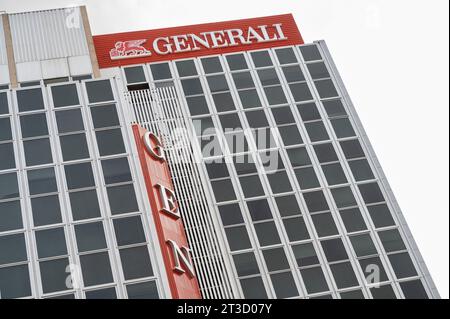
(236, 62)
(279, 182)
(363, 245)
(414, 290)
(308, 112)
(325, 153)
(284, 285)
(324, 224)
(69, 121)
(343, 197)
(403, 265)
(29, 100)
(246, 264)
(290, 135)
(192, 86)
(307, 178)
(37, 152)
(261, 59)
(3, 103)
(96, 269)
(238, 238)
(122, 199)
(286, 56)
(231, 214)
(42, 181)
(275, 259)
(381, 216)
(253, 288)
(371, 193)
(259, 210)
(383, 292)
(343, 128)
(249, 99)
(310, 52)
(318, 70)
(65, 95)
(136, 263)
(314, 280)
(54, 275)
(391, 240)
(257, 119)
(334, 174)
(334, 108)
(230, 121)
(129, 231)
(361, 170)
(116, 170)
(84, 205)
(7, 160)
(299, 156)
(15, 282)
(316, 131)
(107, 293)
(293, 73)
(354, 294)
(51, 242)
(12, 249)
(5, 129)
(105, 116)
(161, 71)
(135, 74)
(79, 175)
(353, 220)
(223, 102)
(217, 83)
(344, 276)
(352, 149)
(243, 80)
(275, 95)
(251, 186)
(288, 205)
(371, 266)
(211, 65)
(315, 201)
(186, 68)
(326, 88)
(99, 91)
(283, 115)
(267, 233)
(46, 210)
(110, 142)
(296, 229)
(146, 290)
(305, 255)
(334, 249)
(300, 92)
(268, 77)
(223, 190)
(197, 105)
(10, 216)
(90, 237)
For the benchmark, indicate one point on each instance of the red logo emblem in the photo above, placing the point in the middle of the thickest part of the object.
(129, 49)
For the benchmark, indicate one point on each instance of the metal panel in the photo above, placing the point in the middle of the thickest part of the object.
(50, 34)
(3, 56)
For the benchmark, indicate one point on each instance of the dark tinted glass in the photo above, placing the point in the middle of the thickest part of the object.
(290, 135)
(79, 175)
(275, 259)
(96, 269)
(318, 70)
(334, 174)
(286, 55)
(296, 229)
(361, 170)
(343, 128)
(65, 95)
(344, 276)
(243, 80)
(300, 92)
(33, 125)
(74, 147)
(363, 245)
(261, 59)
(316, 131)
(13, 249)
(343, 197)
(231, 214)
(275, 95)
(129, 231)
(110, 142)
(381, 216)
(288, 205)
(293, 73)
(42, 181)
(259, 209)
(284, 285)
(90, 237)
(326, 88)
(136, 262)
(122, 199)
(217, 83)
(257, 119)
(283, 115)
(135, 74)
(146, 290)
(223, 102)
(383, 292)
(238, 238)
(403, 265)
(69, 121)
(230, 121)
(5, 129)
(253, 288)
(46, 210)
(305, 255)
(307, 178)
(223, 190)
(107, 293)
(192, 86)
(391, 240)
(211, 65)
(29, 100)
(268, 77)
(99, 91)
(51, 242)
(217, 170)
(236, 62)
(84, 205)
(368, 266)
(161, 71)
(54, 275)
(197, 105)
(324, 224)
(413, 290)
(279, 182)
(334, 108)
(4, 103)
(186, 68)
(249, 98)
(315, 201)
(371, 193)
(10, 216)
(334, 250)
(15, 282)
(314, 280)
(310, 53)
(104, 116)
(251, 186)
(116, 170)
(353, 220)
(37, 152)
(352, 149)
(246, 264)
(308, 112)
(7, 160)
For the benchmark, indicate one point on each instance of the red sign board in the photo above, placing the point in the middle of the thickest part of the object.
(196, 40)
(171, 234)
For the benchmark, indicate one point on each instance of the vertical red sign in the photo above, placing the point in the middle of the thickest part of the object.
(171, 233)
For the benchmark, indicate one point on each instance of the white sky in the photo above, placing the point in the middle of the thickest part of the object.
(393, 57)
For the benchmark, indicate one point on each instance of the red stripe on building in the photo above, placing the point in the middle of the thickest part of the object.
(186, 42)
